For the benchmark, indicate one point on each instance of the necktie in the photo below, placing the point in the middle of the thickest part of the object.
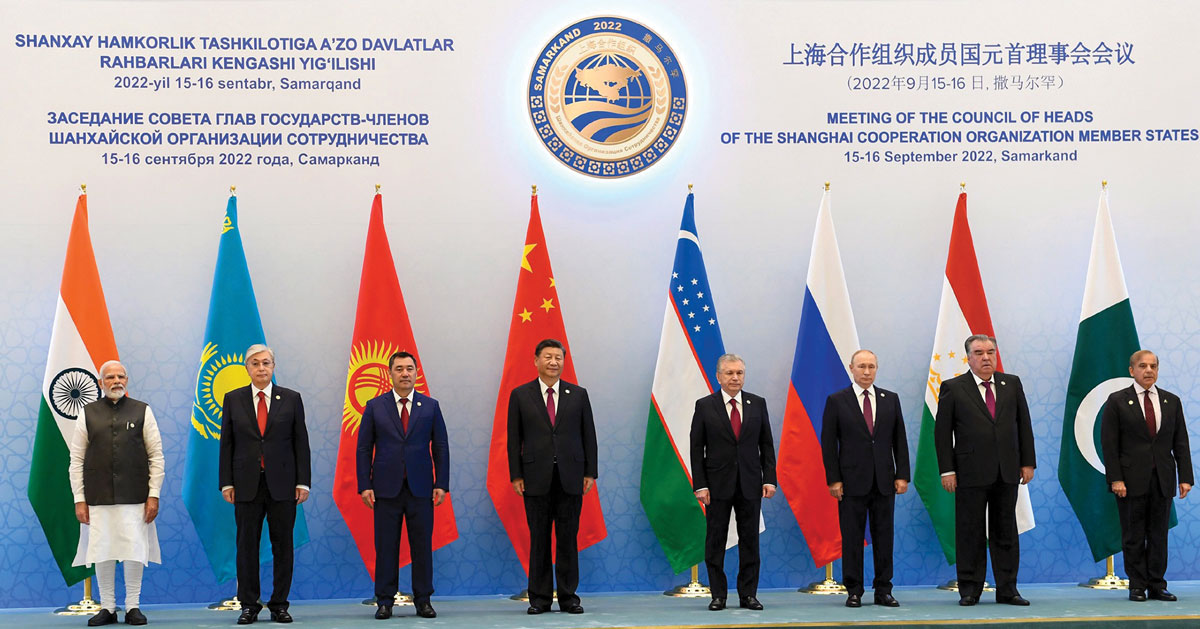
(867, 414)
(735, 419)
(550, 404)
(1150, 418)
(990, 399)
(404, 414)
(262, 422)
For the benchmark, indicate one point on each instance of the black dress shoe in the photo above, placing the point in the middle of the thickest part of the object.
(383, 612)
(537, 609)
(1015, 599)
(968, 601)
(716, 605)
(425, 610)
(135, 617)
(749, 602)
(853, 600)
(102, 617)
(1137, 595)
(1162, 595)
(248, 615)
(281, 616)
(574, 609)
(887, 600)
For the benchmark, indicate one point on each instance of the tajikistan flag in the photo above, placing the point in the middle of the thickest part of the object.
(963, 312)
(685, 372)
(81, 341)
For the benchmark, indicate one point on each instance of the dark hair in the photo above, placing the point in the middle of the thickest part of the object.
(548, 343)
(984, 338)
(398, 355)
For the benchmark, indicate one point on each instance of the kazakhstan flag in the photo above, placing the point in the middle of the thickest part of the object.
(233, 325)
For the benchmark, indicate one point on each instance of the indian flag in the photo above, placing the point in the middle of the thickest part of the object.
(81, 341)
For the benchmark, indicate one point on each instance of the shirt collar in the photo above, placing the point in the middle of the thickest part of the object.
(1139, 389)
(255, 390)
(396, 395)
(858, 391)
(979, 381)
(725, 397)
(543, 387)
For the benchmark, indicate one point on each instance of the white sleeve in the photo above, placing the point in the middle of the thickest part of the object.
(78, 447)
(153, 441)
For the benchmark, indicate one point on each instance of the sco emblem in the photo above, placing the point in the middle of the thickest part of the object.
(607, 97)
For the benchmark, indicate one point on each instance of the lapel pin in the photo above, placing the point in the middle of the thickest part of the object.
(1163, 401)
(881, 394)
(747, 402)
(1002, 383)
(418, 403)
(277, 397)
(1131, 402)
(566, 390)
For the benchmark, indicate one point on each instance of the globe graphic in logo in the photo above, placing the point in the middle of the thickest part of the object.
(607, 98)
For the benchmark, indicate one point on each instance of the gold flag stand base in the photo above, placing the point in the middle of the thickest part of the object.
(691, 589)
(952, 585)
(231, 604)
(828, 586)
(402, 598)
(85, 607)
(1110, 581)
(523, 595)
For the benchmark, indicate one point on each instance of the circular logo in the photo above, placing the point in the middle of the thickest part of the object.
(607, 97)
(367, 378)
(71, 390)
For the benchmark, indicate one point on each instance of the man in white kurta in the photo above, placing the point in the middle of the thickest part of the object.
(116, 475)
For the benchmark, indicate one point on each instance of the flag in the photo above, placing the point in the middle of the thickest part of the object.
(80, 342)
(963, 312)
(381, 328)
(688, 349)
(536, 316)
(1105, 341)
(824, 346)
(233, 325)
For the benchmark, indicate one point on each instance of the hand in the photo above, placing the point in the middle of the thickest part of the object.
(519, 486)
(702, 496)
(950, 482)
(438, 496)
(768, 491)
(835, 490)
(151, 509)
(228, 495)
(368, 498)
(81, 513)
(301, 495)
(1184, 488)
(1026, 474)
(1118, 488)
(588, 483)
(901, 485)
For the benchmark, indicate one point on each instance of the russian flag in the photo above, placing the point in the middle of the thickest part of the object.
(826, 341)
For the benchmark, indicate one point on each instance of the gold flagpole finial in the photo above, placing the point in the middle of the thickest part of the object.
(826, 186)
(1104, 185)
(534, 186)
(962, 186)
(689, 188)
(377, 187)
(83, 188)
(233, 191)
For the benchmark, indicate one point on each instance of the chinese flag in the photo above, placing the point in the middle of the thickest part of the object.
(380, 329)
(536, 316)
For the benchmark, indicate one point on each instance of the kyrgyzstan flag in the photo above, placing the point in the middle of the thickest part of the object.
(380, 329)
(535, 316)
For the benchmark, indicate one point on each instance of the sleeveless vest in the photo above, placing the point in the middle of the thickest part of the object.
(116, 468)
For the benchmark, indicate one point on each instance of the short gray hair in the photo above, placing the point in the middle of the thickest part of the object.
(862, 351)
(1138, 354)
(118, 363)
(259, 348)
(729, 358)
(979, 337)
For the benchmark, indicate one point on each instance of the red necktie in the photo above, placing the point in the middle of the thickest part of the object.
(262, 421)
(550, 404)
(735, 419)
(404, 414)
(1150, 418)
(867, 414)
(989, 398)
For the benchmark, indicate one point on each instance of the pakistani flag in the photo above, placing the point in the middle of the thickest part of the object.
(1103, 345)
(81, 341)
(233, 325)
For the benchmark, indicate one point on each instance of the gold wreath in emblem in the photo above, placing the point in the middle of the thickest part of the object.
(367, 378)
(219, 374)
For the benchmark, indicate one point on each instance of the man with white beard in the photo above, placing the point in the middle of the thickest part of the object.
(116, 474)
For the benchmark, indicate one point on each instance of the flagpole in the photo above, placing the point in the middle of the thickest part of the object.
(1110, 580)
(829, 585)
(86, 606)
(693, 588)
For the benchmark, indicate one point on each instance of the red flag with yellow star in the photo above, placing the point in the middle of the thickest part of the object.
(535, 316)
(381, 328)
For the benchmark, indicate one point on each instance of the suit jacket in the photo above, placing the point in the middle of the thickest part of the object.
(535, 447)
(974, 446)
(283, 450)
(852, 455)
(387, 455)
(1130, 455)
(724, 464)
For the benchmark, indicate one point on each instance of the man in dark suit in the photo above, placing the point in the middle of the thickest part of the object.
(265, 470)
(403, 473)
(552, 464)
(733, 469)
(984, 441)
(1145, 441)
(866, 464)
